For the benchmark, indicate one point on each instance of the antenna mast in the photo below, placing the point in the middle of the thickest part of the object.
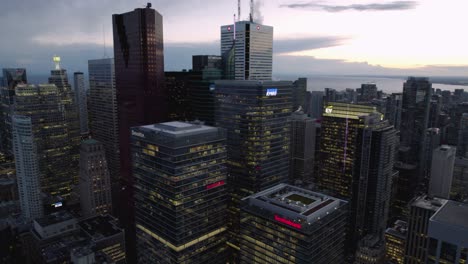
(251, 10)
(238, 10)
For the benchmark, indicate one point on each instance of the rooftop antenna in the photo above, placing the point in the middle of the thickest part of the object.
(238, 10)
(251, 10)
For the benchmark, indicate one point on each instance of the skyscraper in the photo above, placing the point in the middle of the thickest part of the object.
(54, 133)
(367, 92)
(139, 76)
(303, 135)
(357, 152)
(421, 210)
(178, 89)
(462, 146)
(11, 78)
(417, 93)
(393, 107)
(103, 121)
(287, 224)
(316, 104)
(247, 50)
(27, 168)
(432, 141)
(395, 241)
(459, 189)
(255, 115)
(81, 100)
(141, 93)
(180, 193)
(443, 161)
(299, 93)
(95, 186)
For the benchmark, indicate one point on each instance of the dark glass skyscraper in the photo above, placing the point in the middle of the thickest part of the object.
(141, 93)
(255, 115)
(180, 193)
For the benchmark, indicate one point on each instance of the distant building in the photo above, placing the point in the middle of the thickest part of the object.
(417, 94)
(191, 193)
(303, 136)
(11, 78)
(95, 186)
(405, 187)
(371, 250)
(247, 51)
(432, 142)
(178, 90)
(367, 92)
(422, 208)
(203, 62)
(287, 224)
(28, 173)
(9, 200)
(395, 242)
(316, 104)
(443, 161)
(103, 123)
(448, 233)
(394, 108)
(462, 146)
(299, 93)
(81, 100)
(459, 190)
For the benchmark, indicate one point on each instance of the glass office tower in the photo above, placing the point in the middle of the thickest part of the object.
(287, 224)
(180, 193)
(255, 115)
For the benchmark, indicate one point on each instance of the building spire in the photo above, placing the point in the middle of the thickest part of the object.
(56, 60)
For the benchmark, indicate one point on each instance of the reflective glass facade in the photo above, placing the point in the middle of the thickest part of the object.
(180, 193)
(255, 114)
(286, 224)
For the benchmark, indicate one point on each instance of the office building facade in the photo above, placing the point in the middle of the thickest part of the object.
(422, 208)
(95, 186)
(81, 100)
(443, 161)
(27, 168)
(287, 224)
(299, 94)
(393, 109)
(462, 146)
(303, 136)
(103, 123)
(247, 51)
(55, 136)
(395, 242)
(180, 193)
(459, 190)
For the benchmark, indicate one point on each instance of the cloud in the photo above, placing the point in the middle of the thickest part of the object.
(294, 45)
(389, 6)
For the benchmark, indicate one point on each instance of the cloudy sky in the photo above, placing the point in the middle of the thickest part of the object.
(372, 37)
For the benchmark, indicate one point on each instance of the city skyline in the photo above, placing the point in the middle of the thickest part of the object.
(403, 38)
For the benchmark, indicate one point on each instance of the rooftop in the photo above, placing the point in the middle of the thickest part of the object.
(178, 129)
(295, 203)
(54, 218)
(99, 227)
(428, 203)
(453, 213)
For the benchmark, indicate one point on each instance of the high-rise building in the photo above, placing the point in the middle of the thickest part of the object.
(432, 141)
(448, 232)
(178, 89)
(395, 242)
(393, 107)
(180, 193)
(435, 110)
(404, 189)
(443, 160)
(103, 123)
(27, 167)
(55, 135)
(303, 135)
(81, 100)
(459, 189)
(299, 93)
(202, 98)
(316, 104)
(247, 51)
(462, 146)
(255, 115)
(287, 224)
(367, 92)
(371, 250)
(95, 186)
(422, 208)
(11, 78)
(357, 150)
(141, 93)
(417, 93)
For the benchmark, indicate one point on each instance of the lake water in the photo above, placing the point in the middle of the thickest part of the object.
(388, 85)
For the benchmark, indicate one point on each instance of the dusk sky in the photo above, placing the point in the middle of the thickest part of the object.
(310, 37)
